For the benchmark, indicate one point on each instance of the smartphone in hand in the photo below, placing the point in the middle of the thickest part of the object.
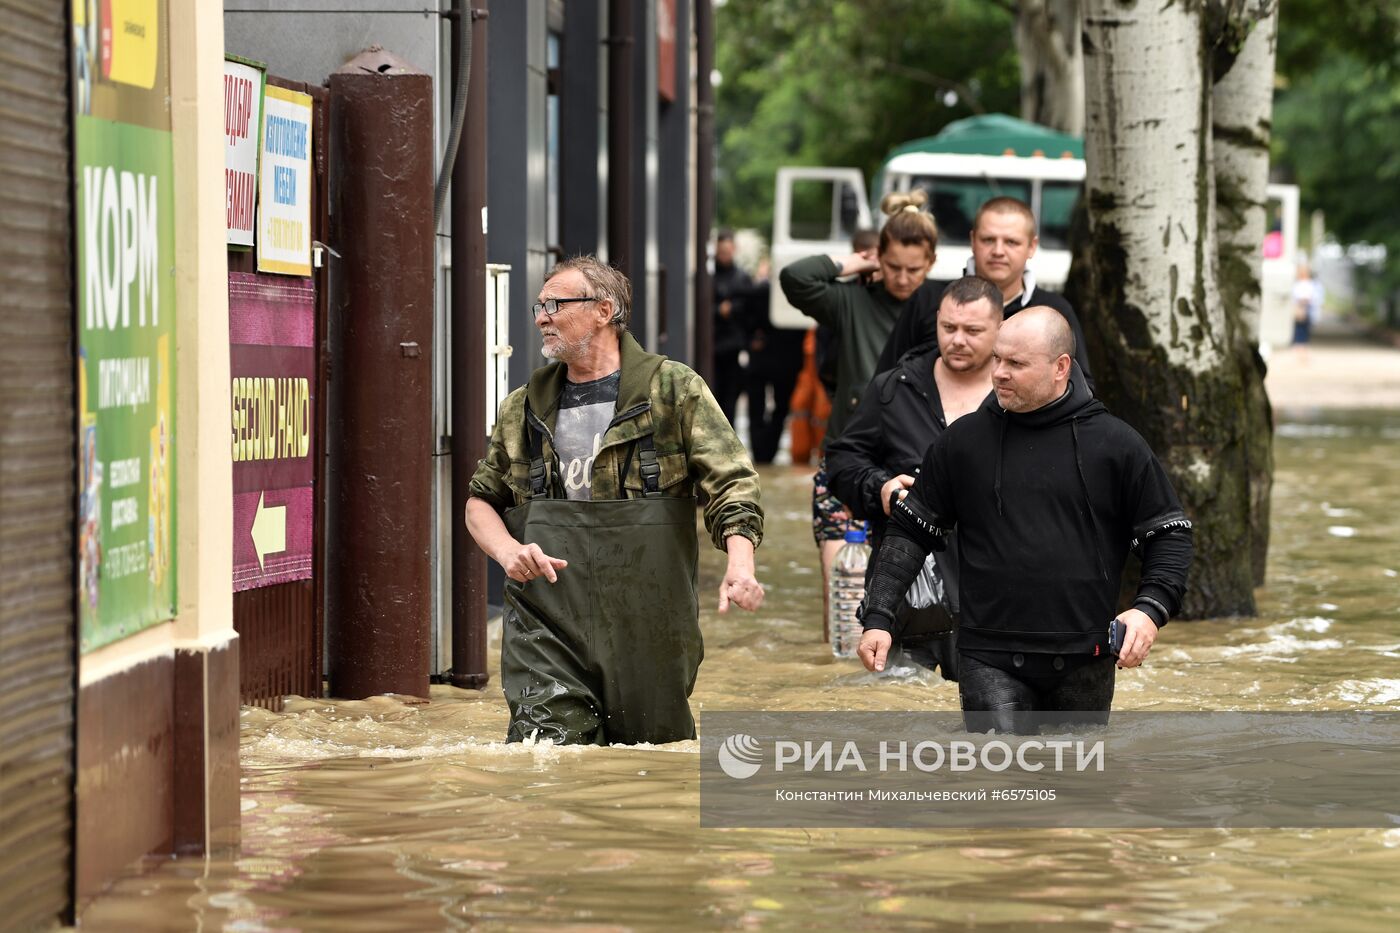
(1116, 631)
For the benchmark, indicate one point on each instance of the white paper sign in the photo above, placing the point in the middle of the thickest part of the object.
(284, 184)
(243, 88)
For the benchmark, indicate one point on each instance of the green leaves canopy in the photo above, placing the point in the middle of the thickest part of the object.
(1337, 116)
(817, 82)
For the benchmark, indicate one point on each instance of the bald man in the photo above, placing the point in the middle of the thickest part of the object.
(1048, 493)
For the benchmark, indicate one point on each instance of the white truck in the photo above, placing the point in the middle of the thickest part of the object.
(815, 210)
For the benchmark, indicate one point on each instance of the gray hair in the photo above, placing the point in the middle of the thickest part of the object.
(604, 281)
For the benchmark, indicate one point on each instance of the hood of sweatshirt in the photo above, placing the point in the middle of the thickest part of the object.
(1076, 405)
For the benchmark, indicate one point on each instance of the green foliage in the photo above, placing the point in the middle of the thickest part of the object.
(1312, 32)
(1336, 130)
(1337, 113)
(831, 82)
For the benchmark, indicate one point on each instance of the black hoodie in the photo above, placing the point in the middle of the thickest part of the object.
(1046, 505)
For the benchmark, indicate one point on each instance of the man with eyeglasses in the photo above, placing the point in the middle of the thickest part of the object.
(586, 497)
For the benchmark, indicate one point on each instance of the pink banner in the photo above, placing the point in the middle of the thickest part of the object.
(273, 310)
(254, 511)
(272, 328)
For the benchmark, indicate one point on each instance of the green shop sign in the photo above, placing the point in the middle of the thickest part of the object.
(126, 321)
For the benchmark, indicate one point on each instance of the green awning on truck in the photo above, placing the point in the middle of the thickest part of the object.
(994, 134)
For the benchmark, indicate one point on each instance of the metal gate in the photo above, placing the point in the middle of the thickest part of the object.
(280, 625)
(37, 464)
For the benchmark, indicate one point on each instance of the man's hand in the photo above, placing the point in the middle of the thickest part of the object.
(902, 481)
(739, 585)
(1140, 632)
(525, 562)
(874, 648)
(742, 590)
(521, 562)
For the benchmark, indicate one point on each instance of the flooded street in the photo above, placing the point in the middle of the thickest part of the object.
(379, 815)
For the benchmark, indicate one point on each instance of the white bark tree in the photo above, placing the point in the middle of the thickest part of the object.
(1173, 353)
(1052, 63)
(1242, 103)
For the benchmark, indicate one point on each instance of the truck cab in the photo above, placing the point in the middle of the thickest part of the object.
(969, 162)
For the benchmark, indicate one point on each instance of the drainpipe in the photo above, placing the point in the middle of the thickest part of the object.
(621, 120)
(704, 187)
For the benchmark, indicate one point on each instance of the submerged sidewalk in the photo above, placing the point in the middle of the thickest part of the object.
(1341, 368)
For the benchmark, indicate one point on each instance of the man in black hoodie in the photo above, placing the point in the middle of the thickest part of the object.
(1048, 493)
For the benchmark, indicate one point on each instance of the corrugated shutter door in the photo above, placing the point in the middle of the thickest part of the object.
(37, 486)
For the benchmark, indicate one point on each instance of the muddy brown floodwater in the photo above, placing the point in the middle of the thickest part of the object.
(378, 815)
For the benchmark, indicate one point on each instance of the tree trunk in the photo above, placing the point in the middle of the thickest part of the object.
(1243, 104)
(1052, 64)
(1167, 361)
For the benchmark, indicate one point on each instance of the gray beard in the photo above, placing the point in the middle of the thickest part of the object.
(566, 352)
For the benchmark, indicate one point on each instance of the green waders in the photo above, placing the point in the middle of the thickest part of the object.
(609, 653)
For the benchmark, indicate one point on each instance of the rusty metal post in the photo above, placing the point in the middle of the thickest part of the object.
(379, 586)
(468, 357)
(704, 360)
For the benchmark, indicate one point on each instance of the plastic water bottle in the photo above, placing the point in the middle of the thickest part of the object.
(847, 590)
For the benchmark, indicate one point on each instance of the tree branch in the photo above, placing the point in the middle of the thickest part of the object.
(964, 92)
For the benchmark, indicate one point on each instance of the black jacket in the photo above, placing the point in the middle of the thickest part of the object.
(731, 334)
(1046, 505)
(899, 416)
(919, 324)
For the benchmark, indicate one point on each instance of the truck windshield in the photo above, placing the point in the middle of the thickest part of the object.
(823, 210)
(1057, 201)
(955, 201)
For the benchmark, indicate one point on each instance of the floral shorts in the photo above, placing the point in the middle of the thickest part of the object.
(829, 517)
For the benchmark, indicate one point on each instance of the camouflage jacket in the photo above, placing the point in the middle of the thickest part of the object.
(697, 450)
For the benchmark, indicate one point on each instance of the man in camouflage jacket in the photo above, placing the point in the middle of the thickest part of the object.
(696, 448)
(598, 461)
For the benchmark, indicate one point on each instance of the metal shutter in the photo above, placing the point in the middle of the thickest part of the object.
(37, 450)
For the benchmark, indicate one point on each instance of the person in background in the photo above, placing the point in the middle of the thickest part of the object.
(864, 242)
(811, 399)
(732, 288)
(811, 406)
(1307, 302)
(775, 359)
(903, 411)
(861, 314)
(1003, 241)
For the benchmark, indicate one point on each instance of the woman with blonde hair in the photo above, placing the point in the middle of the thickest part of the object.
(861, 313)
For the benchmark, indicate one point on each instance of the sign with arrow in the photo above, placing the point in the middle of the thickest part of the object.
(269, 531)
(272, 438)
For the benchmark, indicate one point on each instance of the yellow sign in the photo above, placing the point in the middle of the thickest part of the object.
(130, 42)
(284, 185)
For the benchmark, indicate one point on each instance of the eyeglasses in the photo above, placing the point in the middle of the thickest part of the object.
(550, 306)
